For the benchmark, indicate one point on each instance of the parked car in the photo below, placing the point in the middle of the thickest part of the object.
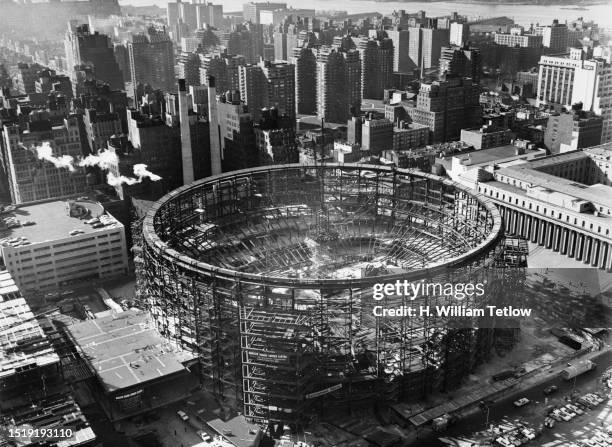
(205, 436)
(182, 415)
(551, 389)
(521, 402)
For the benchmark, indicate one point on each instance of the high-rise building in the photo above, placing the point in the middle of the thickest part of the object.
(446, 107)
(555, 36)
(593, 88)
(401, 41)
(152, 60)
(305, 80)
(94, 51)
(189, 68)
(247, 40)
(338, 84)
(376, 57)
(518, 38)
(237, 135)
(26, 77)
(99, 127)
(268, 84)
(459, 33)
(251, 11)
(275, 139)
(224, 68)
(376, 135)
(285, 40)
(209, 14)
(433, 39)
(460, 62)
(32, 178)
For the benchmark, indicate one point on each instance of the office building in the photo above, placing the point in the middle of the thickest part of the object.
(31, 178)
(58, 247)
(94, 51)
(339, 92)
(152, 60)
(556, 78)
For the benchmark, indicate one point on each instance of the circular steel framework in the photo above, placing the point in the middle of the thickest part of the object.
(267, 275)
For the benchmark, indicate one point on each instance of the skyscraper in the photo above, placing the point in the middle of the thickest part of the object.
(305, 80)
(433, 39)
(401, 41)
(152, 60)
(459, 33)
(247, 40)
(338, 84)
(268, 84)
(251, 11)
(446, 107)
(189, 68)
(376, 66)
(224, 68)
(94, 51)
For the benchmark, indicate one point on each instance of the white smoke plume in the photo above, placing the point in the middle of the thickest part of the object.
(45, 152)
(140, 171)
(104, 159)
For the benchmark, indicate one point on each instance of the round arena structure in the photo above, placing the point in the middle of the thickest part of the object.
(269, 275)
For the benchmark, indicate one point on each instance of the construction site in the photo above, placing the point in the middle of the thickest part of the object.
(266, 275)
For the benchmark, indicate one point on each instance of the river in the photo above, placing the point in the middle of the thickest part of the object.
(522, 14)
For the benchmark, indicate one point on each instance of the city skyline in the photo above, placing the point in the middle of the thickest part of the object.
(283, 226)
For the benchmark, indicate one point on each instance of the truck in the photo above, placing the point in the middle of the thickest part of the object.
(579, 368)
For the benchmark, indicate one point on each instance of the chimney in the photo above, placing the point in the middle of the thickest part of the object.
(186, 152)
(215, 137)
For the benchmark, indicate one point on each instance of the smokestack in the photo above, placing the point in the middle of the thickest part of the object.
(186, 152)
(213, 119)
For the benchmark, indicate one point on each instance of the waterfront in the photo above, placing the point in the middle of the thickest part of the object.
(522, 14)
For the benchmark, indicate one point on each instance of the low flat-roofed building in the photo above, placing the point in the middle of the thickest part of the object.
(136, 369)
(559, 202)
(51, 244)
(25, 350)
(478, 166)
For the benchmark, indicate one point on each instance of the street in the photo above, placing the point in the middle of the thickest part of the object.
(535, 412)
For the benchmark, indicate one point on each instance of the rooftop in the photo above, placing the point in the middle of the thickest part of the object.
(531, 174)
(500, 153)
(51, 220)
(23, 344)
(125, 350)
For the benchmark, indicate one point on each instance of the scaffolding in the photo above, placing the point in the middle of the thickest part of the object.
(267, 274)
